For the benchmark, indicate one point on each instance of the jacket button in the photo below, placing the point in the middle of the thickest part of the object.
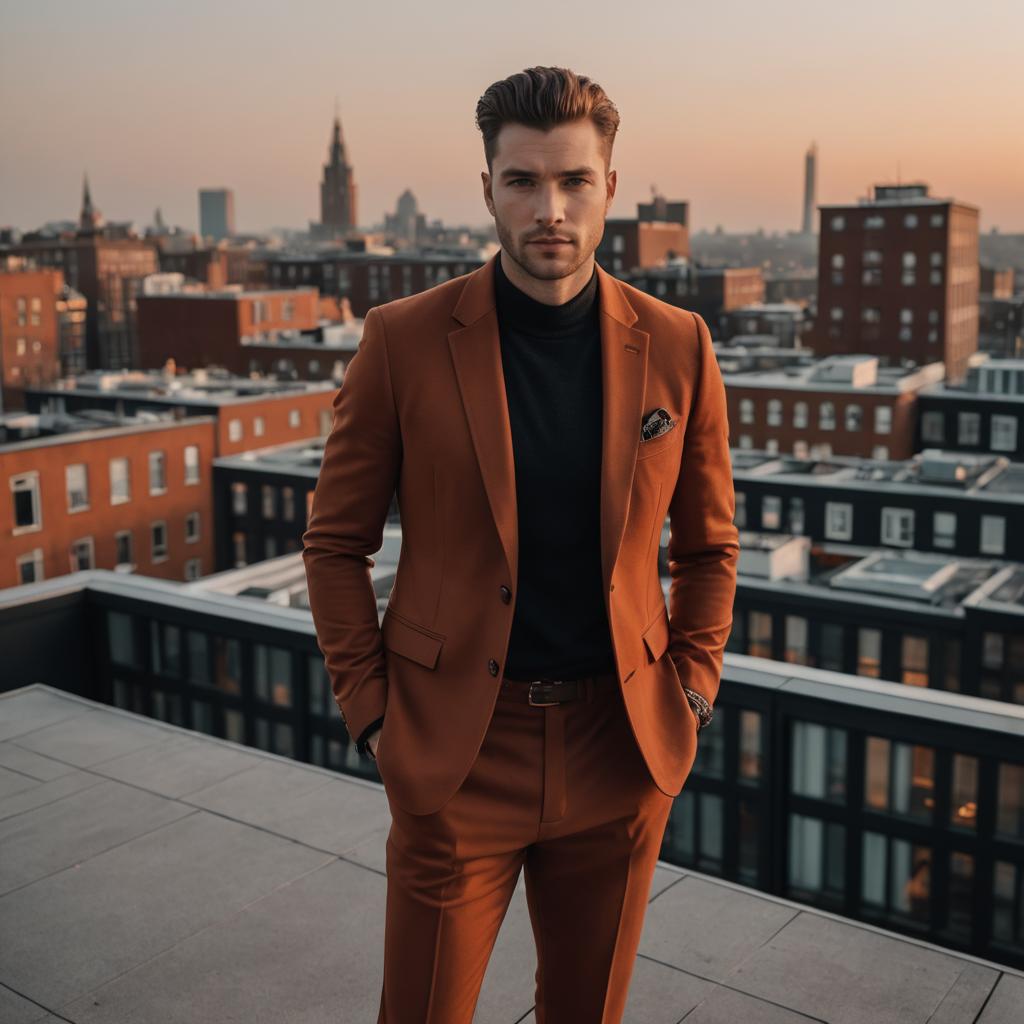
(493, 666)
(506, 594)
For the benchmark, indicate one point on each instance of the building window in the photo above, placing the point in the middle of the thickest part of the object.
(830, 646)
(874, 222)
(944, 530)
(899, 778)
(880, 452)
(288, 504)
(191, 527)
(837, 314)
(968, 427)
(818, 762)
(259, 426)
(933, 427)
(838, 222)
(157, 472)
(239, 499)
(800, 449)
(826, 416)
(898, 527)
(158, 541)
(1004, 433)
(124, 548)
(774, 413)
(740, 517)
(746, 441)
(883, 419)
(191, 464)
(838, 520)
(937, 220)
(910, 220)
(746, 410)
(993, 535)
(914, 652)
(869, 653)
(82, 554)
(120, 481)
(800, 414)
(796, 651)
(1010, 801)
(854, 417)
(771, 512)
(288, 310)
(870, 314)
(268, 495)
(25, 497)
(796, 515)
(234, 430)
(30, 566)
(936, 259)
(760, 635)
(76, 477)
(294, 418)
(193, 569)
(238, 546)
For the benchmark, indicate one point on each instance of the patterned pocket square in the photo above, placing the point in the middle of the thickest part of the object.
(655, 424)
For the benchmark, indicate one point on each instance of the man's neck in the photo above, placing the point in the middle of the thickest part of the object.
(551, 293)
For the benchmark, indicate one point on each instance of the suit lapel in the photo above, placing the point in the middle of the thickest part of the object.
(476, 355)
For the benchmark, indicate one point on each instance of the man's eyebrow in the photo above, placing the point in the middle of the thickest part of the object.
(577, 172)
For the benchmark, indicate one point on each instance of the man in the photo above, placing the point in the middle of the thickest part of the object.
(529, 699)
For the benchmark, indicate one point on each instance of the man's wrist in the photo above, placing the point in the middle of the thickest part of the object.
(700, 706)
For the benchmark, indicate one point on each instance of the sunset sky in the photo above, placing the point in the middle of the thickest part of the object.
(718, 103)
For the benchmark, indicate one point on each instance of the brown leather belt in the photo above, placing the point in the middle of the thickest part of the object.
(544, 692)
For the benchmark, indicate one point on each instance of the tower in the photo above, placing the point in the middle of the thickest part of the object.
(338, 188)
(90, 219)
(810, 188)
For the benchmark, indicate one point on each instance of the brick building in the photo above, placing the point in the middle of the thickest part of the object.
(841, 405)
(30, 331)
(135, 496)
(898, 278)
(212, 328)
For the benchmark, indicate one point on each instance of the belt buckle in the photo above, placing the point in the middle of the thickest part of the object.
(537, 703)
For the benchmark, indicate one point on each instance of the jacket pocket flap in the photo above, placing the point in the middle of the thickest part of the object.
(656, 634)
(410, 640)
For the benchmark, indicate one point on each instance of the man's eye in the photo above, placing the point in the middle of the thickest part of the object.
(584, 180)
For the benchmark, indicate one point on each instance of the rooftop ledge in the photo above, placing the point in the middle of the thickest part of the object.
(154, 874)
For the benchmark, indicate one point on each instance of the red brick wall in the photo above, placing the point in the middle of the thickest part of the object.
(103, 519)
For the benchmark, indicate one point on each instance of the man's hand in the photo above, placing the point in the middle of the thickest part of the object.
(372, 740)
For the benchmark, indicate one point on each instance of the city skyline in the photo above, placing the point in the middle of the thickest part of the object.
(156, 109)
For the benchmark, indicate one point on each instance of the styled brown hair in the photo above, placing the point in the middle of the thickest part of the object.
(541, 98)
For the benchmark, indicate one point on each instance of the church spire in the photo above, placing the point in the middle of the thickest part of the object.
(90, 218)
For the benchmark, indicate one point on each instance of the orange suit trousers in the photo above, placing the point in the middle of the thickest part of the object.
(562, 793)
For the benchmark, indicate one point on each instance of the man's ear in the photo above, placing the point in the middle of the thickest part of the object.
(485, 178)
(613, 180)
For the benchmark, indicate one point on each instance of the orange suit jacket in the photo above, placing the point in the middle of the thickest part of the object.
(422, 409)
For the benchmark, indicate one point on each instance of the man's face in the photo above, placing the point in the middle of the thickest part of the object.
(549, 185)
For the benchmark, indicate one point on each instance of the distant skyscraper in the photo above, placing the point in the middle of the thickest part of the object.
(810, 188)
(216, 213)
(338, 188)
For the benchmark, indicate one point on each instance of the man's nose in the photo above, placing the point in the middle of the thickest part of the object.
(550, 206)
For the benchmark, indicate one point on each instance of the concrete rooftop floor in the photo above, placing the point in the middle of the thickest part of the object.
(152, 874)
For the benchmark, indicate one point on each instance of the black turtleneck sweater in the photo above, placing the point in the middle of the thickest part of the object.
(551, 359)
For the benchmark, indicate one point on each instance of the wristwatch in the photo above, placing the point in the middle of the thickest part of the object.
(701, 708)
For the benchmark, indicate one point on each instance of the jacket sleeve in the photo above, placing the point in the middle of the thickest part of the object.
(358, 477)
(703, 540)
